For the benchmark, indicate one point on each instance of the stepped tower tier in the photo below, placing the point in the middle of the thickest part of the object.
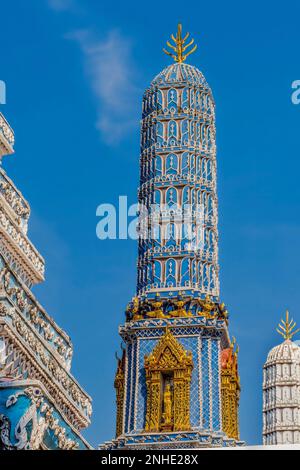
(41, 404)
(177, 382)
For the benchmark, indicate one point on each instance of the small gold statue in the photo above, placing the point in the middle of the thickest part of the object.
(135, 309)
(157, 311)
(180, 311)
(208, 307)
(167, 407)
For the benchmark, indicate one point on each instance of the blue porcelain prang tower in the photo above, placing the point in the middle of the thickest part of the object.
(177, 382)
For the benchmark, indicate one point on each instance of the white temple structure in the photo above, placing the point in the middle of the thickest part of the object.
(281, 389)
(42, 406)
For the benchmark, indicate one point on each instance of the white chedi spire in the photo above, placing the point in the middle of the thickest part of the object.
(281, 389)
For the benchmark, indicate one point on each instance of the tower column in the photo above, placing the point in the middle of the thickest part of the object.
(176, 328)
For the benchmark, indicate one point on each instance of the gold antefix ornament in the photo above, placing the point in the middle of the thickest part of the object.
(180, 47)
(168, 377)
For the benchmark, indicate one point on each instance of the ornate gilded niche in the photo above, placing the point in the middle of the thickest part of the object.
(168, 377)
(230, 390)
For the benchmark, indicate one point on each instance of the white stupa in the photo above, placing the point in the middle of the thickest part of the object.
(281, 389)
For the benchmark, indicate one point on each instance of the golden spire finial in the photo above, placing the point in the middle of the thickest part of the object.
(286, 328)
(180, 46)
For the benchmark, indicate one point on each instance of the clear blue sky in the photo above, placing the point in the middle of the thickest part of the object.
(77, 145)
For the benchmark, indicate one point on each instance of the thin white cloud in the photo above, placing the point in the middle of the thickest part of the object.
(61, 5)
(112, 75)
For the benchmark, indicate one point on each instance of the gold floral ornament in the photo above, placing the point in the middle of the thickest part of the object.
(180, 47)
(286, 328)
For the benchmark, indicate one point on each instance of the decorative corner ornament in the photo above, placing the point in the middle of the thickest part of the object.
(180, 47)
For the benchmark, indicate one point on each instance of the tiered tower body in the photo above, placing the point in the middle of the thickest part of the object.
(178, 175)
(281, 394)
(173, 389)
(41, 404)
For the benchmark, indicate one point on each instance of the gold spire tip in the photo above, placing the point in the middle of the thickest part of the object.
(286, 328)
(179, 46)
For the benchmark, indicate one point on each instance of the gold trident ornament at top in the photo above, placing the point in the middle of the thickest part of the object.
(286, 328)
(180, 46)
